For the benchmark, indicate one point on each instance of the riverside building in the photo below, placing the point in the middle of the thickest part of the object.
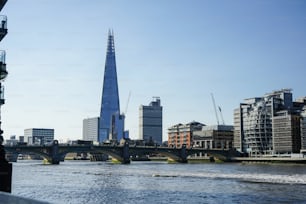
(38, 136)
(151, 122)
(3, 71)
(91, 129)
(269, 125)
(111, 123)
(303, 124)
(214, 136)
(182, 134)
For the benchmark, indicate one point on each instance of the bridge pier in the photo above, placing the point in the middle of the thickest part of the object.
(183, 155)
(178, 155)
(53, 161)
(54, 158)
(126, 154)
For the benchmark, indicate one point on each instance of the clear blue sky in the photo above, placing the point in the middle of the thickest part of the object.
(180, 50)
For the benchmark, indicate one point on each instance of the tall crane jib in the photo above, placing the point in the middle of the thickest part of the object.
(221, 115)
(216, 112)
(127, 104)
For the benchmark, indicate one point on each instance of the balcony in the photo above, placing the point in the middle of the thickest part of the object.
(3, 72)
(3, 26)
(2, 3)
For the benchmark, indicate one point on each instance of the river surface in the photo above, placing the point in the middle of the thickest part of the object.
(159, 182)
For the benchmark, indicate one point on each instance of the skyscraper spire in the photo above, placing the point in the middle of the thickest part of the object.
(110, 44)
(110, 108)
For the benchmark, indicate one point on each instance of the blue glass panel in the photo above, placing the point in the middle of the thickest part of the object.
(110, 97)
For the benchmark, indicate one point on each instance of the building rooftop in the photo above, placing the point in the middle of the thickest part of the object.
(187, 125)
(218, 127)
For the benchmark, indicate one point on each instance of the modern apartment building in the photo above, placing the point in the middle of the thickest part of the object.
(182, 134)
(151, 122)
(91, 129)
(214, 136)
(303, 124)
(3, 71)
(38, 136)
(268, 125)
(286, 132)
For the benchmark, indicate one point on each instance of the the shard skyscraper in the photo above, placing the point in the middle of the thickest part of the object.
(111, 124)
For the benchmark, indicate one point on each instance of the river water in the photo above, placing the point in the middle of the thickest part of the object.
(159, 182)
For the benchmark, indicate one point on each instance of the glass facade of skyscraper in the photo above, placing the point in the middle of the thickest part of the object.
(151, 122)
(110, 97)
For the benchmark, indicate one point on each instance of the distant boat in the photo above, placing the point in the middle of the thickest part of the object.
(20, 157)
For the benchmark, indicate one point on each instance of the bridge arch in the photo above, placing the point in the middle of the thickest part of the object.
(16, 152)
(55, 152)
(176, 155)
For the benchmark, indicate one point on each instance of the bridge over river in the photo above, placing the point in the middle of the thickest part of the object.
(55, 152)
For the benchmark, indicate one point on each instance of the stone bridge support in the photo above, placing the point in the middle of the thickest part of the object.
(183, 155)
(179, 155)
(54, 156)
(54, 153)
(126, 154)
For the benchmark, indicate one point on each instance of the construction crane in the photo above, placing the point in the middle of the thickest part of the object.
(127, 104)
(221, 115)
(216, 112)
(214, 103)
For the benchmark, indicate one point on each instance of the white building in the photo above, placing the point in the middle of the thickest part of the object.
(38, 136)
(270, 125)
(91, 129)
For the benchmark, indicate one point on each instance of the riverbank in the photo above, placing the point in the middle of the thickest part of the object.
(269, 160)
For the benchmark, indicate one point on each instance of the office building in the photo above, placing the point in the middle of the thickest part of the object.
(151, 122)
(268, 125)
(214, 136)
(303, 131)
(182, 134)
(12, 141)
(21, 138)
(110, 124)
(38, 136)
(286, 132)
(117, 127)
(91, 129)
(3, 71)
(303, 123)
